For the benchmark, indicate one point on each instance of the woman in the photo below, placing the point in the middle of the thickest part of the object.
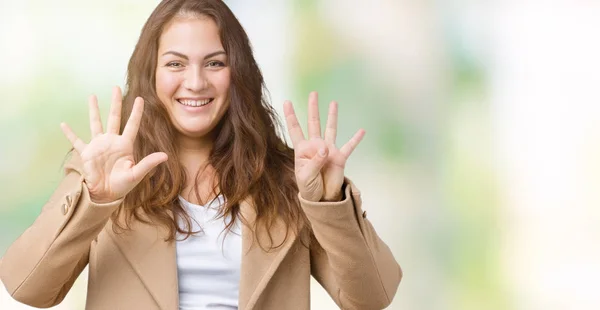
(145, 201)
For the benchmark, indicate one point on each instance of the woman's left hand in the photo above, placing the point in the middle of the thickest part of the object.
(319, 164)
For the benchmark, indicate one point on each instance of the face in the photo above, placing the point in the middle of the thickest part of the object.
(192, 75)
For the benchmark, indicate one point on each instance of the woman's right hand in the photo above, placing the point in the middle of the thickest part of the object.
(109, 168)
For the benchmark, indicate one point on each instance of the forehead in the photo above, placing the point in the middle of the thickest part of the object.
(191, 36)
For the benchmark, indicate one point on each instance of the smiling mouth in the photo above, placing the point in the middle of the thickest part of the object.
(195, 103)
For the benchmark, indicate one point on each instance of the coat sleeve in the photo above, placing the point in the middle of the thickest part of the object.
(40, 267)
(348, 258)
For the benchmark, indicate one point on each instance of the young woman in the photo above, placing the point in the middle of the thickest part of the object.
(189, 198)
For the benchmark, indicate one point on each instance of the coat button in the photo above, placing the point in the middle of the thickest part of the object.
(364, 214)
(65, 208)
(67, 204)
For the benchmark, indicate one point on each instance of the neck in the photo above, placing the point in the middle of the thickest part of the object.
(194, 156)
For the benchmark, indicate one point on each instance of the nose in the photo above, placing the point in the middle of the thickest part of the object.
(195, 79)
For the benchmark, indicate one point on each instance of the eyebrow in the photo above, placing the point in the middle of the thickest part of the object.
(187, 58)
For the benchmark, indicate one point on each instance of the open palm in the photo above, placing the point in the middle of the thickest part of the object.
(319, 163)
(109, 167)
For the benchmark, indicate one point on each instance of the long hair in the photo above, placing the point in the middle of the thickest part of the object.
(249, 155)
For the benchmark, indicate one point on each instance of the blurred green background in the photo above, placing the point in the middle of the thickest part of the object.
(480, 164)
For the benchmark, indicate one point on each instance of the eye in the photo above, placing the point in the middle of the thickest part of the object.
(215, 63)
(174, 64)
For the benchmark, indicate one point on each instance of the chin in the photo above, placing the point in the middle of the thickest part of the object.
(194, 131)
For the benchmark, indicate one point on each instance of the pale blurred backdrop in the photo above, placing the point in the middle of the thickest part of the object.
(481, 163)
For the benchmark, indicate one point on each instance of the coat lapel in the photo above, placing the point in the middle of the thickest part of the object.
(155, 263)
(258, 266)
(153, 259)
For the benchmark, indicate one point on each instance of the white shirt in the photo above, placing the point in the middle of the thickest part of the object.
(208, 263)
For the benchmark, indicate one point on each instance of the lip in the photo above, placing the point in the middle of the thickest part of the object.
(194, 98)
(191, 109)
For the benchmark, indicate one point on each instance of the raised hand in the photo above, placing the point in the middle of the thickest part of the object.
(319, 164)
(109, 168)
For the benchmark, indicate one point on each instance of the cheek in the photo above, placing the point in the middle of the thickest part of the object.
(222, 81)
(166, 84)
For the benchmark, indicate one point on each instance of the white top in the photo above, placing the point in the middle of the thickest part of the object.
(208, 263)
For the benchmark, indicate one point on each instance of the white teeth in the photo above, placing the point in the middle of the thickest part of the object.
(195, 103)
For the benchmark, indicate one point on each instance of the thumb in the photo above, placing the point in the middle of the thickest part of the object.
(316, 163)
(147, 164)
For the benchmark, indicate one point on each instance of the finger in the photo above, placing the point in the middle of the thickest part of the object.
(314, 166)
(95, 120)
(133, 124)
(314, 123)
(331, 127)
(349, 147)
(75, 141)
(147, 164)
(114, 117)
(293, 126)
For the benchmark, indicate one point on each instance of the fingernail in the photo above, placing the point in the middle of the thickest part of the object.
(322, 152)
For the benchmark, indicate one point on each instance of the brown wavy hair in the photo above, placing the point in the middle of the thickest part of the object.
(249, 154)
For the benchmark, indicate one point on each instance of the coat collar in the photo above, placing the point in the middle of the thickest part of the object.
(154, 260)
